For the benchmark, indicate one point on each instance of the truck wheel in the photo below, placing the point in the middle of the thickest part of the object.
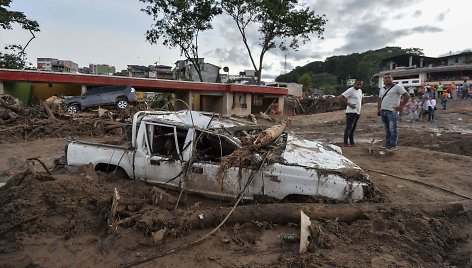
(73, 109)
(122, 103)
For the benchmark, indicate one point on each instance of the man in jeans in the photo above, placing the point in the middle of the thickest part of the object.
(388, 107)
(353, 99)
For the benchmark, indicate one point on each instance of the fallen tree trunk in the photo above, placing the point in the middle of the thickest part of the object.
(48, 111)
(263, 139)
(290, 212)
(11, 107)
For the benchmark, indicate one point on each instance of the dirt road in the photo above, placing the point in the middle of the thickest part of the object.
(61, 220)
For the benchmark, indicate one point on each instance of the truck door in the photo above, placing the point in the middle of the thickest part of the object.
(164, 163)
(206, 176)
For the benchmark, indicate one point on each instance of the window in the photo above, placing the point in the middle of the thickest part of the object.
(211, 147)
(163, 141)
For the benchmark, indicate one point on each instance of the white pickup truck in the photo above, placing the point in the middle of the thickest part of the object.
(164, 144)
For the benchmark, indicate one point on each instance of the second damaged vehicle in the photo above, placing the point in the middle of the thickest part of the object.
(200, 153)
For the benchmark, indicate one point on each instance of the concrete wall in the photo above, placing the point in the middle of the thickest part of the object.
(187, 97)
(20, 90)
(211, 103)
(43, 90)
(237, 103)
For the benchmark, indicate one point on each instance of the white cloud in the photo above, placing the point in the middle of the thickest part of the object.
(113, 32)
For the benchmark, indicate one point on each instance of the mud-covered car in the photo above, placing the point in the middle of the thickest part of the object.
(191, 149)
(120, 96)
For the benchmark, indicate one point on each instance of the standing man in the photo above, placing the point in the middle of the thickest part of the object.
(388, 107)
(353, 99)
(464, 89)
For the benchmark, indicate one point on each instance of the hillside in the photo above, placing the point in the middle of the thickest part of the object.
(333, 73)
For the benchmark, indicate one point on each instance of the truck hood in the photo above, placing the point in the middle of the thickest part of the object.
(70, 99)
(315, 154)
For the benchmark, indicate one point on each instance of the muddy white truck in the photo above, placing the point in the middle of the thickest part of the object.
(185, 149)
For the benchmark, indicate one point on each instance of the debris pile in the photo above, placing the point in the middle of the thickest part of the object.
(50, 119)
(72, 206)
(320, 104)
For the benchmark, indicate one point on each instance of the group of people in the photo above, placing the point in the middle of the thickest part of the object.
(392, 99)
(452, 91)
(424, 108)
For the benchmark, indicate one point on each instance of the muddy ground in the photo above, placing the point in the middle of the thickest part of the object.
(60, 220)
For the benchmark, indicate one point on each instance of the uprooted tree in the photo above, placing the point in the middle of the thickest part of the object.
(282, 24)
(179, 23)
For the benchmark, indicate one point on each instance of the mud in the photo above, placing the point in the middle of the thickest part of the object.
(61, 220)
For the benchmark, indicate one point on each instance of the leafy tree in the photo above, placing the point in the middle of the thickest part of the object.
(357, 65)
(281, 24)
(307, 81)
(13, 60)
(8, 17)
(323, 80)
(179, 22)
(16, 58)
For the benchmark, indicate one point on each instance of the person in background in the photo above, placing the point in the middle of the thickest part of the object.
(433, 92)
(444, 97)
(440, 90)
(452, 91)
(353, 99)
(431, 108)
(420, 91)
(388, 107)
(464, 89)
(412, 105)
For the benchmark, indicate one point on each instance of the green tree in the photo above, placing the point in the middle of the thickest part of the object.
(323, 80)
(12, 60)
(307, 81)
(16, 58)
(281, 23)
(179, 23)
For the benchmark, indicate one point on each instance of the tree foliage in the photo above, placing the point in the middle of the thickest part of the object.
(14, 57)
(307, 81)
(282, 24)
(9, 17)
(341, 68)
(178, 24)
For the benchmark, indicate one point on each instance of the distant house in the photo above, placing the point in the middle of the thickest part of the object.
(185, 70)
(415, 70)
(160, 72)
(151, 71)
(294, 89)
(56, 65)
(138, 71)
(101, 69)
(246, 77)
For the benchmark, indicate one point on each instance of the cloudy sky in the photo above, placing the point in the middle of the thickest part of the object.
(113, 32)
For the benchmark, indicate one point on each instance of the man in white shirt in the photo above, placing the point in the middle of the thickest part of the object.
(388, 107)
(353, 99)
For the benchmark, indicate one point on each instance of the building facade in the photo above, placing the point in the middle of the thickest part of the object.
(415, 70)
(184, 70)
(55, 65)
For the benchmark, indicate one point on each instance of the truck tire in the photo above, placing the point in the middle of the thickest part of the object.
(122, 103)
(74, 108)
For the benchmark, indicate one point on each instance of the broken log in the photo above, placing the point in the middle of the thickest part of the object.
(48, 111)
(263, 139)
(111, 218)
(11, 107)
(290, 212)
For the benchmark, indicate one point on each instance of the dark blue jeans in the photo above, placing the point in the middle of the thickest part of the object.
(389, 120)
(351, 123)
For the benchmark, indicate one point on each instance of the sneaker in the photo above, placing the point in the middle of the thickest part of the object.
(384, 146)
(394, 148)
